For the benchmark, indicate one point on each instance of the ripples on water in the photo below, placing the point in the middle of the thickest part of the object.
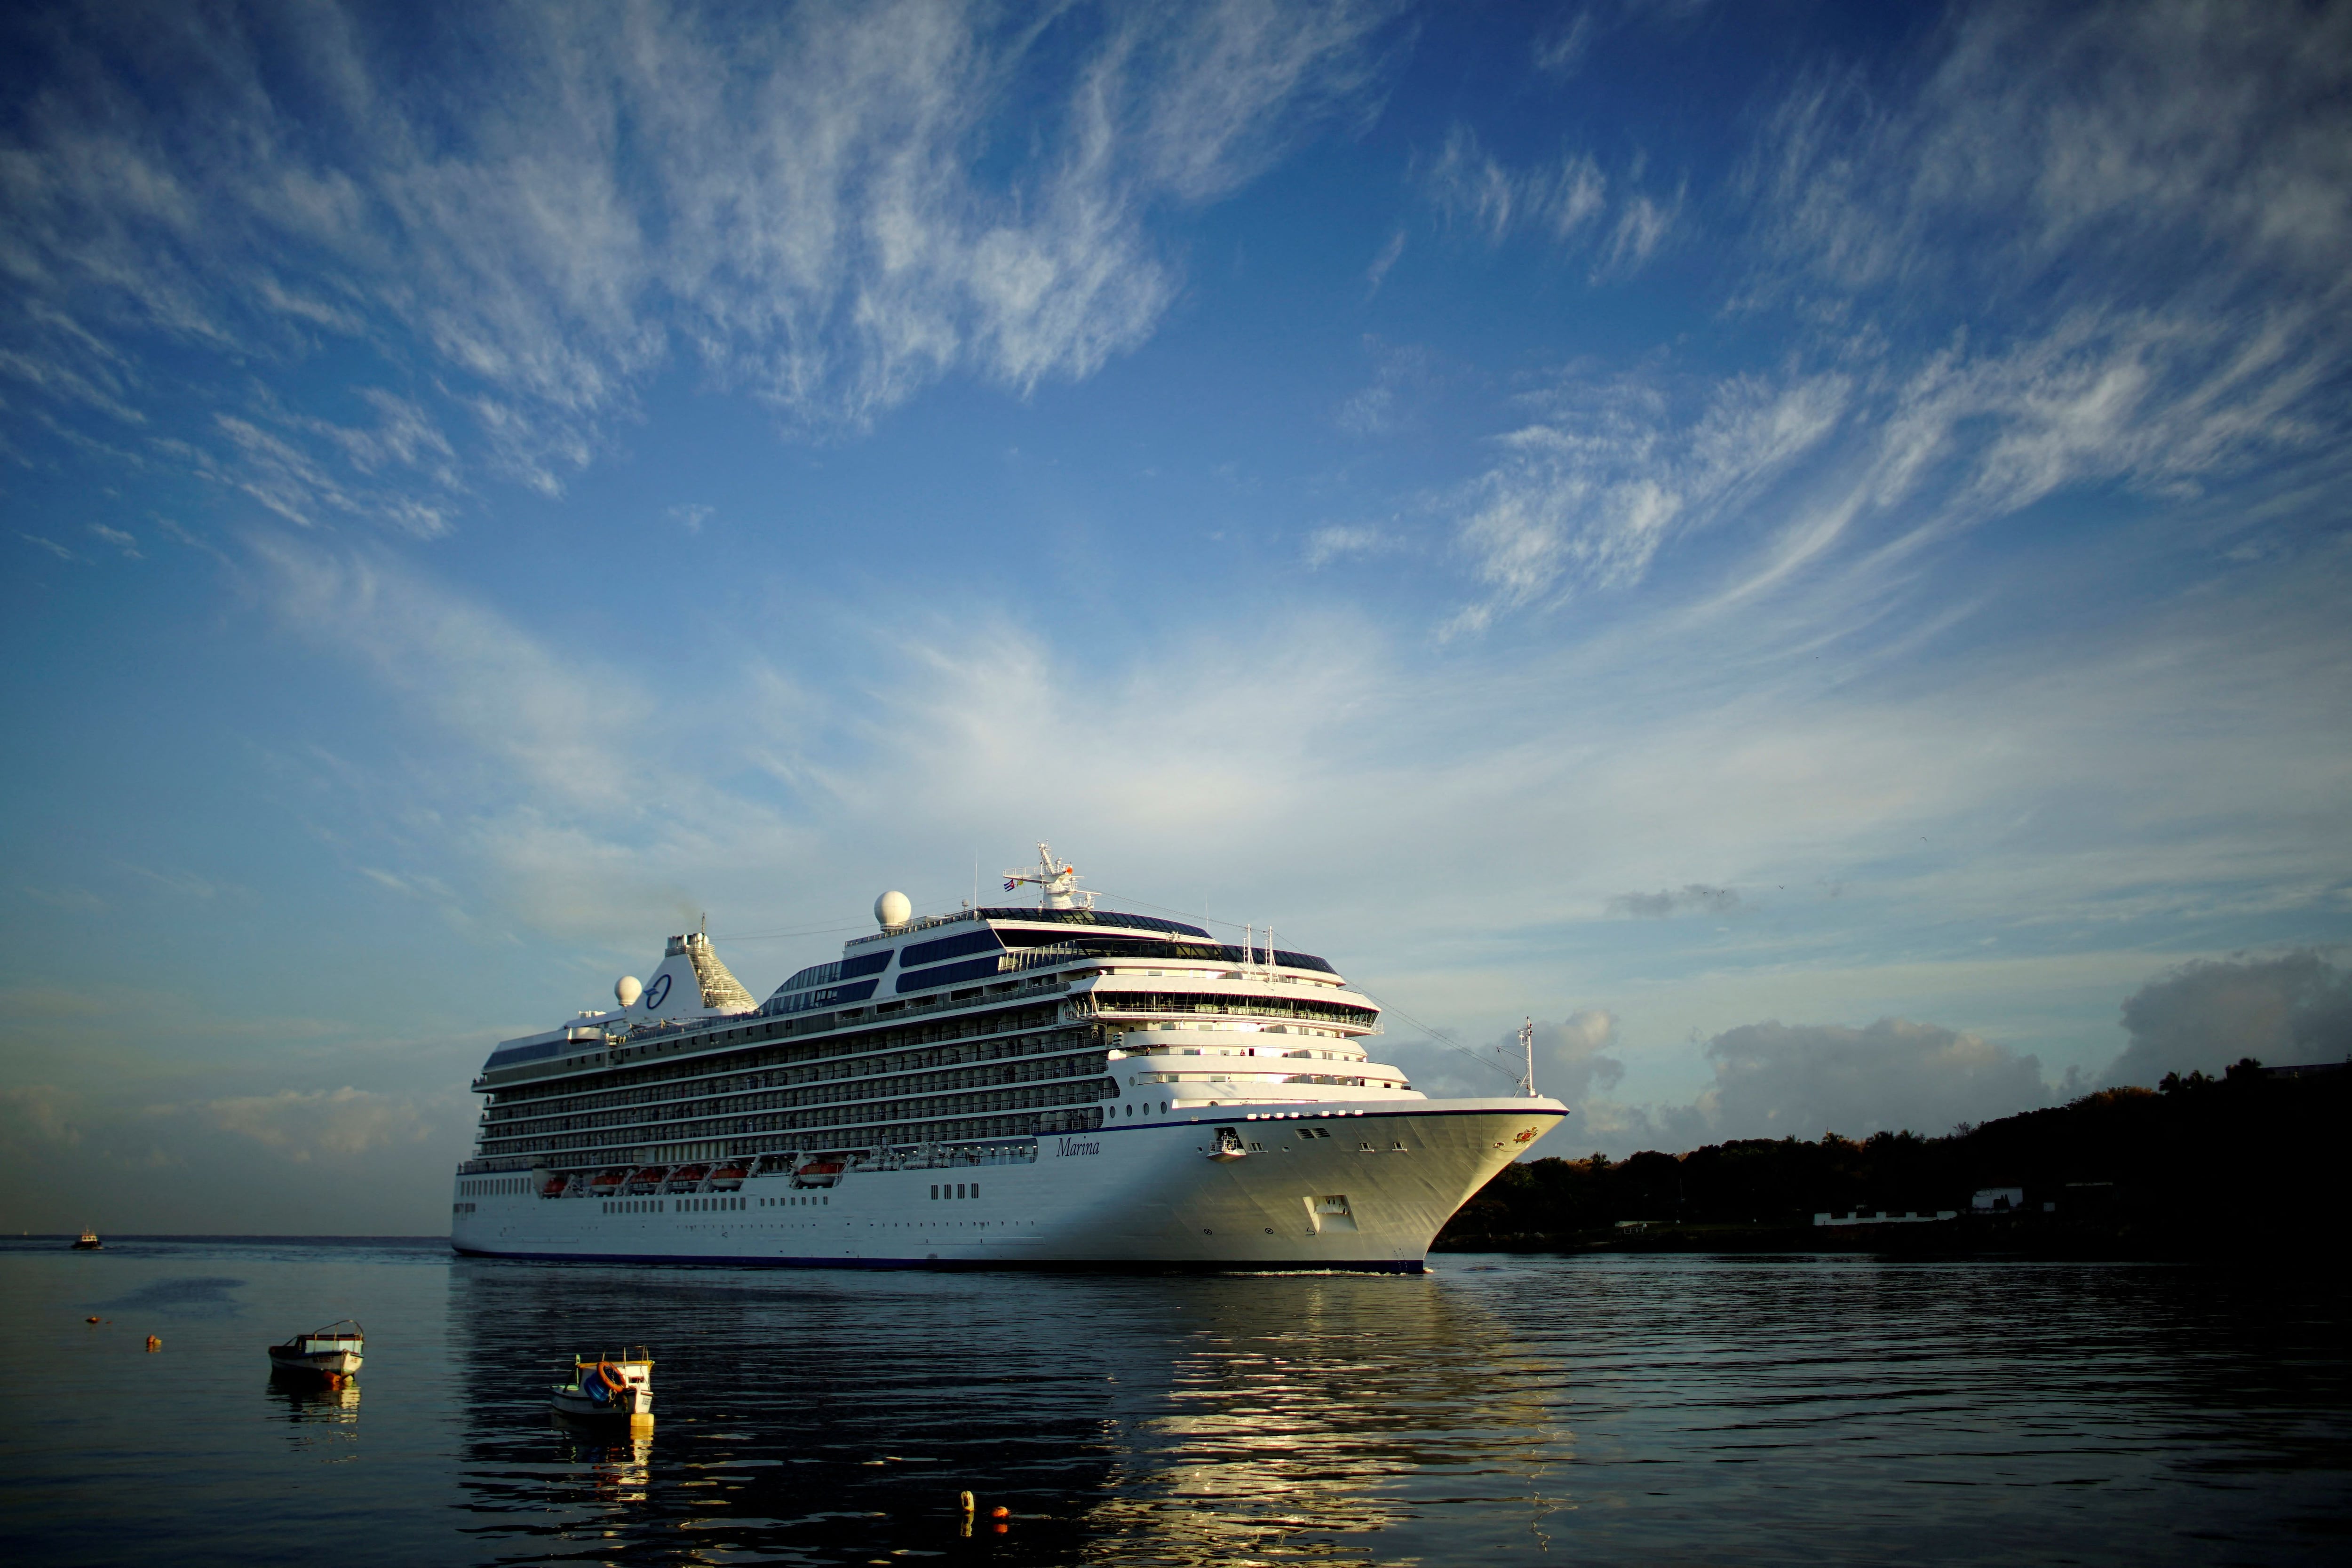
(1604, 1409)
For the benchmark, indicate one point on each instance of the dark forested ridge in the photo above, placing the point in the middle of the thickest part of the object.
(2199, 1165)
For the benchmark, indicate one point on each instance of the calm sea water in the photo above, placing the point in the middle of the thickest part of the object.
(1594, 1410)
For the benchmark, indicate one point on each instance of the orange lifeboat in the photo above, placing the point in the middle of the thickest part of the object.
(648, 1180)
(817, 1174)
(728, 1178)
(686, 1178)
(553, 1186)
(606, 1182)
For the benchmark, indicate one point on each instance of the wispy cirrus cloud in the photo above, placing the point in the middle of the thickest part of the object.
(824, 208)
(2038, 274)
(1588, 493)
(1566, 200)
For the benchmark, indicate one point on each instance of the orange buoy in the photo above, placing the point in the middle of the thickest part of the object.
(1000, 1512)
(154, 1343)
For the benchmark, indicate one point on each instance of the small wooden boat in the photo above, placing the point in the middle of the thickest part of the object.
(332, 1352)
(88, 1242)
(620, 1388)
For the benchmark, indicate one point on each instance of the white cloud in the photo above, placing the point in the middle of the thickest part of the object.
(43, 542)
(1642, 225)
(2155, 138)
(2102, 248)
(303, 1125)
(35, 1116)
(1588, 494)
(1339, 541)
(2289, 1008)
(127, 543)
(1377, 272)
(796, 196)
(1571, 1057)
(1802, 1081)
(1471, 186)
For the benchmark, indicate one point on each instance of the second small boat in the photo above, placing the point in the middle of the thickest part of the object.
(618, 1388)
(332, 1352)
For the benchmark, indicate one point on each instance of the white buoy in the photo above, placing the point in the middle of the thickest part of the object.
(628, 989)
(892, 911)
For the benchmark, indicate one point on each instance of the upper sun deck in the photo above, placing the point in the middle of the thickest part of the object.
(1103, 963)
(981, 945)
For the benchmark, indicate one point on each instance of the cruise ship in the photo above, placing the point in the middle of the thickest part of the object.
(1056, 1085)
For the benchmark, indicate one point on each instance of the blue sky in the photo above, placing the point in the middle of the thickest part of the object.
(1801, 545)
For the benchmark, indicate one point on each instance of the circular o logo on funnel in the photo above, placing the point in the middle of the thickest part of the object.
(655, 993)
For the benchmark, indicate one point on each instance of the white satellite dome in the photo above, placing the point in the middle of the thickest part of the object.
(892, 911)
(628, 989)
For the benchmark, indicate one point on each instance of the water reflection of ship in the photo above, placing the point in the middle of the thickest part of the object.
(1207, 1418)
(1324, 1410)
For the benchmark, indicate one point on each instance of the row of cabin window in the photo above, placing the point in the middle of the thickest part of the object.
(699, 1205)
(978, 1027)
(485, 1189)
(539, 1107)
(954, 1190)
(804, 1120)
(1031, 1123)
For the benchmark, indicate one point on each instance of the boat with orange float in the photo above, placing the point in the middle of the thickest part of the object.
(614, 1388)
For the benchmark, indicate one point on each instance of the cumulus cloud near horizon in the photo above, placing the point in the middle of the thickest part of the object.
(1802, 1081)
(301, 1123)
(2281, 1008)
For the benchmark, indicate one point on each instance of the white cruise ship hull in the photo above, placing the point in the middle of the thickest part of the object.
(1341, 1185)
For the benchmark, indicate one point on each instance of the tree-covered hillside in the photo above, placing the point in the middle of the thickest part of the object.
(2197, 1164)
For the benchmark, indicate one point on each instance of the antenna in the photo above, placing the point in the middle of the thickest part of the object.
(1056, 886)
(1527, 1044)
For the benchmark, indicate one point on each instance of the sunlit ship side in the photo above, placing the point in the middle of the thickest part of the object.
(1006, 1087)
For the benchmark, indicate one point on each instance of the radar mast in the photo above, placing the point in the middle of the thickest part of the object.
(1056, 886)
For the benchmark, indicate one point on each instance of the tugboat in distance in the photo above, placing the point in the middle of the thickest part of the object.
(87, 1241)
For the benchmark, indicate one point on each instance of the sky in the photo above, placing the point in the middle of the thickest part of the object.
(1800, 546)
